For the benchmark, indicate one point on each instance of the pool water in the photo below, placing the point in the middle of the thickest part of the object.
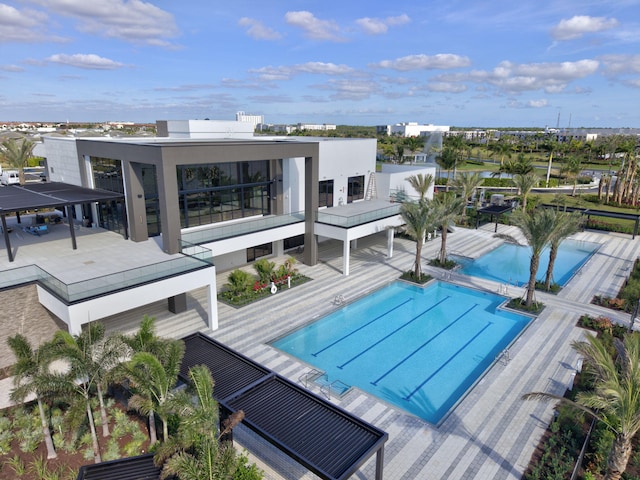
(509, 263)
(418, 348)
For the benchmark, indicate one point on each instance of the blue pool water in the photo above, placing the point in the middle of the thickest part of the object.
(418, 348)
(509, 263)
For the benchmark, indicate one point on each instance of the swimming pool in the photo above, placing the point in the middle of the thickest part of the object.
(509, 263)
(418, 348)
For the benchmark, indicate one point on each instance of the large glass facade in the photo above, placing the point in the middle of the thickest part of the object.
(107, 175)
(212, 193)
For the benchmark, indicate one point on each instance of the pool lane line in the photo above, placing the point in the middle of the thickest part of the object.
(390, 334)
(448, 361)
(362, 326)
(422, 346)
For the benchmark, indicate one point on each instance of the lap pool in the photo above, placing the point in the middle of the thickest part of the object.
(418, 348)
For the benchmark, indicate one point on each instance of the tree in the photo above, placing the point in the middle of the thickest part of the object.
(447, 208)
(153, 378)
(415, 144)
(467, 183)
(31, 377)
(421, 183)
(537, 228)
(503, 148)
(524, 184)
(17, 154)
(400, 152)
(552, 146)
(448, 160)
(196, 451)
(614, 399)
(572, 168)
(565, 225)
(145, 338)
(419, 219)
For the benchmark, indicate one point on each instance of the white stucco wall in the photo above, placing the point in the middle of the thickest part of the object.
(62, 160)
(394, 177)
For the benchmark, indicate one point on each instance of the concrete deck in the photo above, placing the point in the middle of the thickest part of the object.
(492, 433)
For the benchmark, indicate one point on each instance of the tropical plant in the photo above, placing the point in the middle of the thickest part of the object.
(467, 183)
(152, 378)
(415, 144)
(565, 225)
(537, 228)
(614, 399)
(145, 338)
(400, 153)
(524, 184)
(447, 208)
(195, 452)
(239, 282)
(421, 183)
(419, 219)
(449, 160)
(31, 376)
(17, 152)
(265, 269)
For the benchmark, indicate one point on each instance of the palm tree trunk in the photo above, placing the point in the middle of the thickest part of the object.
(553, 253)
(94, 436)
(165, 430)
(443, 246)
(531, 287)
(618, 457)
(48, 441)
(418, 266)
(103, 413)
(153, 436)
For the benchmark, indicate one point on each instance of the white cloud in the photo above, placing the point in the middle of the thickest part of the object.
(620, 64)
(425, 62)
(550, 77)
(12, 68)
(133, 21)
(538, 103)
(349, 89)
(314, 27)
(376, 26)
(286, 72)
(86, 61)
(577, 26)
(21, 25)
(445, 87)
(258, 30)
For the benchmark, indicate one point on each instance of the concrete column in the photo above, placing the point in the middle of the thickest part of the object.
(137, 211)
(212, 306)
(345, 257)
(311, 200)
(390, 236)
(178, 303)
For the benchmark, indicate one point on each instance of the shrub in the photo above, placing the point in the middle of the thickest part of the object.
(410, 277)
(265, 270)
(244, 471)
(239, 282)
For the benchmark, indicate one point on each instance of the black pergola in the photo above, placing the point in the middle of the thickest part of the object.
(34, 196)
(494, 211)
(589, 212)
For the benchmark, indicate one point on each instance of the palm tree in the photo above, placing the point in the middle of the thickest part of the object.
(614, 399)
(153, 378)
(572, 168)
(196, 451)
(415, 144)
(503, 148)
(31, 377)
(566, 224)
(551, 145)
(92, 356)
(524, 184)
(447, 207)
(419, 220)
(467, 183)
(421, 183)
(448, 160)
(537, 228)
(145, 338)
(17, 154)
(400, 152)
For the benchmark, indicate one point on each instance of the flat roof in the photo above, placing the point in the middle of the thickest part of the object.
(326, 439)
(32, 196)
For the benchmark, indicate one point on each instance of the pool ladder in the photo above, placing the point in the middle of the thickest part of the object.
(310, 376)
(504, 356)
(321, 379)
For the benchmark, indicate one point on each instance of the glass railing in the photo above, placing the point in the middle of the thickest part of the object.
(196, 251)
(220, 232)
(348, 221)
(85, 289)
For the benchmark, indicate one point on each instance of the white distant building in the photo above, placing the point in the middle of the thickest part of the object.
(411, 129)
(254, 120)
(314, 126)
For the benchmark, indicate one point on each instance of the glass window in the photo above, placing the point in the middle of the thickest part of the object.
(355, 188)
(253, 253)
(325, 198)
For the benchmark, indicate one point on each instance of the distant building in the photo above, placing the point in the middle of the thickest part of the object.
(410, 129)
(254, 120)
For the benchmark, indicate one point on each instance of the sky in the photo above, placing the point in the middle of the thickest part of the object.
(464, 63)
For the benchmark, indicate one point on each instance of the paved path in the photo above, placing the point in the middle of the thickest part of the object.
(492, 433)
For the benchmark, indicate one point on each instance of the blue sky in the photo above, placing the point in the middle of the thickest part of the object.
(462, 63)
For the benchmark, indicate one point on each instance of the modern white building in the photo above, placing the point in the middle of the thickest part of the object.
(254, 120)
(410, 129)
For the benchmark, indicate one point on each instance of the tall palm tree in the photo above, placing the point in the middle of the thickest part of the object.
(400, 152)
(31, 377)
(467, 183)
(421, 183)
(447, 208)
(153, 378)
(196, 452)
(419, 219)
(448, 160)
(614, 399)
(537, 228)
(92, 356)
(415, 144)
(552, 146)
(524, 184)
(17, 154)
(565, 225)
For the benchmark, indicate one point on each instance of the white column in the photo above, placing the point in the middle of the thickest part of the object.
(213, 306)
(390, 236)
(345, 257)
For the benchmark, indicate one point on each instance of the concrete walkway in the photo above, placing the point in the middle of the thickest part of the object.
(492, 433)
